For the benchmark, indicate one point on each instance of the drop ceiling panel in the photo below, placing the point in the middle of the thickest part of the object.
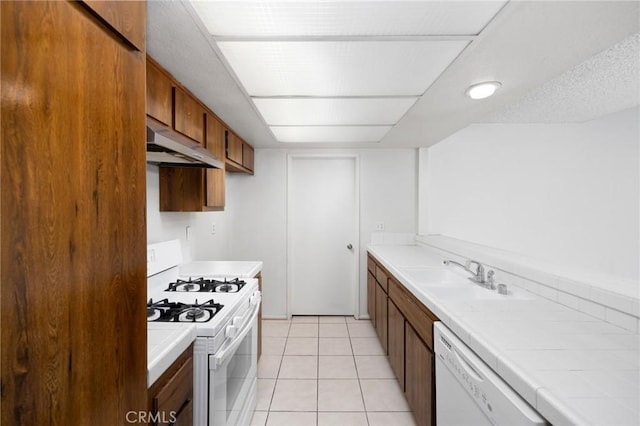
(337, 68)
(333, 111)
(344, 18)
(329, 134)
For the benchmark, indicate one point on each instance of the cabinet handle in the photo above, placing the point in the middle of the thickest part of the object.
(349, 246)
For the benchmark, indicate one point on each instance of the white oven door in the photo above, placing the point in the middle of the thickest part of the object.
(233, 372)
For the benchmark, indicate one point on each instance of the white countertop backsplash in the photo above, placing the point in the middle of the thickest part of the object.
(573, 367)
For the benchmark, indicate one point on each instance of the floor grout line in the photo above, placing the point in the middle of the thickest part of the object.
(317, 379)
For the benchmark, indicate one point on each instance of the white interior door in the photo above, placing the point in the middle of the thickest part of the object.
(323, 235)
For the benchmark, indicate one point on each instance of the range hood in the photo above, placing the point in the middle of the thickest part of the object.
(167, 152)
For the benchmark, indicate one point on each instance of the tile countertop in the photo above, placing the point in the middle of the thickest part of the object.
(165, 342)
(573, 368)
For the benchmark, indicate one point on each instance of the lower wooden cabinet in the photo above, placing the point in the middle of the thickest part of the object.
(371, 297)
(381, 316)
(239, 155)
(395, 331)
(419, 385)
(171, 396)
(405, 329)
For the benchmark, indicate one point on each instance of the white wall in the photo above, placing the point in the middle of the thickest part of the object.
(259, 205)
(171, 225)
(565, 193)
(254, 223)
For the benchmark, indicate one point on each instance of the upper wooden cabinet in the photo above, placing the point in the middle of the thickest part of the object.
(234, 148)
(124, 18)
(216, 134)
(173, 110)
(188, 116)
(247, 156)
(239, 155)
(159, 96)
(187, 189)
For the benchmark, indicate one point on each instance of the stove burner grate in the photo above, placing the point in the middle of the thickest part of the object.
(165, 311)
(207, 285)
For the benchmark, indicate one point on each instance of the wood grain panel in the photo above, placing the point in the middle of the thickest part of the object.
(215, 179)
(414, 311)
(234, 148)
(382, 277)
(215, 188)
(381, 316)
(371, 265)
(247, 156)
(72, 173)
(396, 342)
(188, 116)
(181, 189)
(177, 393)
(419, 378)
(173, 391)
(215, 136)
(124, 18)
(371, 297)
(159, 95)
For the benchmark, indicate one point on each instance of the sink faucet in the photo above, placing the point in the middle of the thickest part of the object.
(478, 274)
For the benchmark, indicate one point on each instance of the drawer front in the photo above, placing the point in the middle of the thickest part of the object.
(178, 391)
(371, 265)
(382, 278)
(420, 318)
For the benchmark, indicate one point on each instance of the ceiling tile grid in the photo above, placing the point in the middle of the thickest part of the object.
(304, 18)
(339, 68)
(333, 111)
(339, 71)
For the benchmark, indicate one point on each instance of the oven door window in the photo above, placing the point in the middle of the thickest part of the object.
(238, 371)
(233, 381)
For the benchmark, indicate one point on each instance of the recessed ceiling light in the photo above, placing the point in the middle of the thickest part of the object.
(483, 90)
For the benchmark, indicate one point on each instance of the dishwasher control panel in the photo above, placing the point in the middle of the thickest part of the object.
(465, 384)
(468, 377)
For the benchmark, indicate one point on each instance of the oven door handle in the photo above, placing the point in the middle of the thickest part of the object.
(221, 354)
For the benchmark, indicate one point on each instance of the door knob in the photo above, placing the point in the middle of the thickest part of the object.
(349, 246)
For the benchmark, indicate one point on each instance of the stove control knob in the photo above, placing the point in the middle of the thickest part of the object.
(256, 298)
(231, 331)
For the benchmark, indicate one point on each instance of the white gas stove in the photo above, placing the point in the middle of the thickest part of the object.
(224, 310)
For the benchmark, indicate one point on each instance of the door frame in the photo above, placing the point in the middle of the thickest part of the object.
(291, 157)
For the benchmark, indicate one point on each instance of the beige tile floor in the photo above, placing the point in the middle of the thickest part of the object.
(326, 371)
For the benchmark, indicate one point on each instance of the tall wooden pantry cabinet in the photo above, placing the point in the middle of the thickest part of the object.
(73, 235)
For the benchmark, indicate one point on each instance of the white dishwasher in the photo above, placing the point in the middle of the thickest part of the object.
(470, 393)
